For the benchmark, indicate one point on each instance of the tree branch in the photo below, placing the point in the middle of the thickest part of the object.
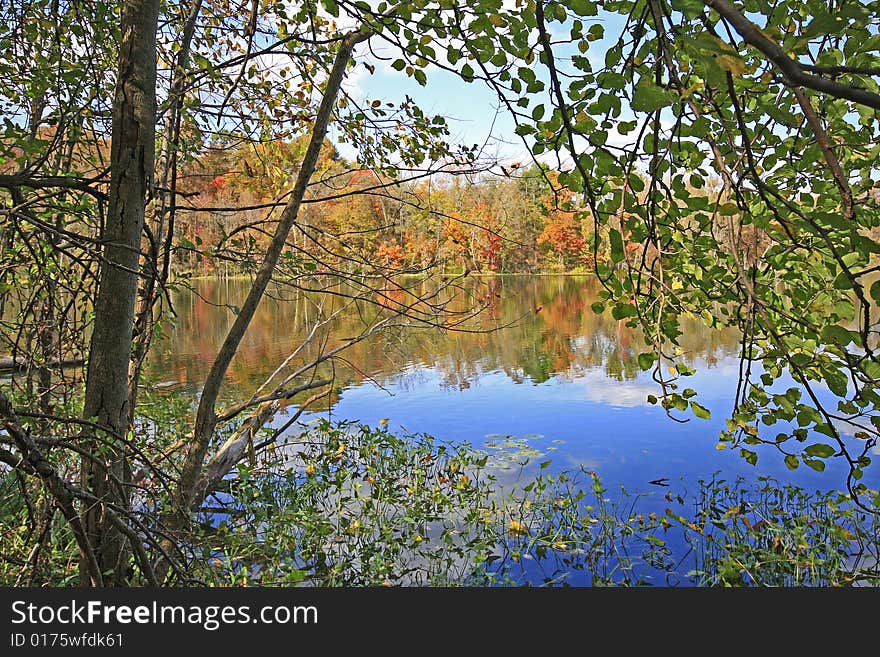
(48, 182)
(792, 69)
(206, 418)
(33, 462)
(274, 396)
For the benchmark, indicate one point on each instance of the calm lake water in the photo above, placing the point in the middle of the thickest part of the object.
(558, 383)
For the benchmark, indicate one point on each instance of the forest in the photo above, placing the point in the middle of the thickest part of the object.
(502, 222)
(704, 161)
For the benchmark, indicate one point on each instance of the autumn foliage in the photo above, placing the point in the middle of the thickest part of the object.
(507, 223)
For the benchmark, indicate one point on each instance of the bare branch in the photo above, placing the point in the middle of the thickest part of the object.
(206, 418)
(275, 396)
(52, 182)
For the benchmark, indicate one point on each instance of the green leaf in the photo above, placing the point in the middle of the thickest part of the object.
(750, 456)
(648, 97)
(598, 307)
(616, 245)
(791, 462)
(700, 411)
(485, 55)
(684, 370)
(331, 7)
(202, 61)
(467, 72)
(818, 466)
(398, 65)
(837, 335)
(623, 310)
(842, 282)
(690, 8)
(646, 360)
(825, 428)
(825, 23)
(611, 80)
(525, 74)
(420, 77)
(583, 7)
(836, 381)
(820, 450)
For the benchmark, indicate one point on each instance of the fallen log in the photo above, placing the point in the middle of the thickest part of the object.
(10, 364)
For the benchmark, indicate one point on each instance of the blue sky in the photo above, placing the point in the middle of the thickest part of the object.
(472, 109)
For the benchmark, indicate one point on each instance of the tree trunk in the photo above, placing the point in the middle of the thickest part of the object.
(131, 174)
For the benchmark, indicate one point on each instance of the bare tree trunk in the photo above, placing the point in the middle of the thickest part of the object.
(164, 210)
(131, 174)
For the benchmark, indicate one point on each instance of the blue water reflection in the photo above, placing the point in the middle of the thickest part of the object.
(585, 420)
(561, 384)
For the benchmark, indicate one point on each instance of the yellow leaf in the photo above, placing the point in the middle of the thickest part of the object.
(735, 65)
(384, 420)
(517, 528)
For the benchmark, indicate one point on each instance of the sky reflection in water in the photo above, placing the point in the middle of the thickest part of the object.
(562, 381)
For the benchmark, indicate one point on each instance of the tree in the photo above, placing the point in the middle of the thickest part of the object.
(107, 386)
(723, 155)
(775, 101)
(129, 504)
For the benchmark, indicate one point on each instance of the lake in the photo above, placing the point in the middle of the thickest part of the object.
(559, 382)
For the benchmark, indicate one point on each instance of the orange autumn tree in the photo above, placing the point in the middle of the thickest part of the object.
(562, 236)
